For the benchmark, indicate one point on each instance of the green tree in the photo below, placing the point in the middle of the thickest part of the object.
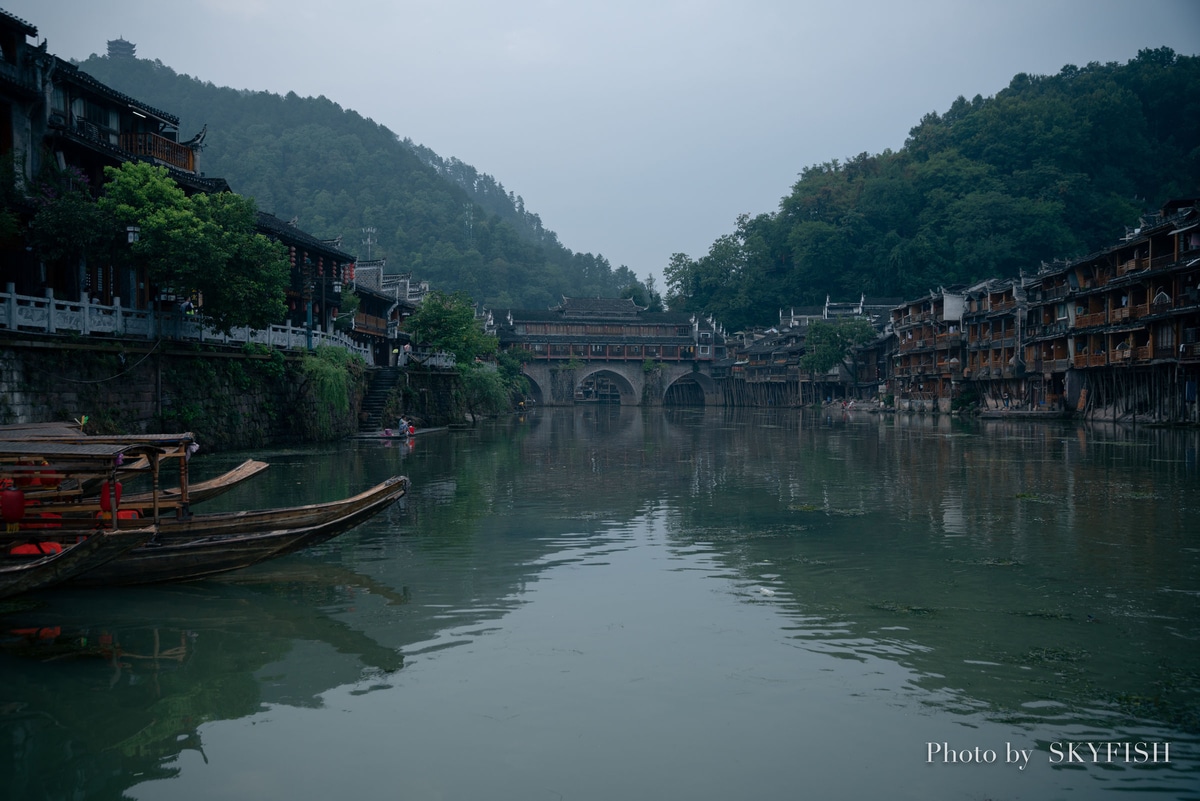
(68, 226)
(249, 273)
(205, 244)
(643, 294)
(827, 345)
(437, 217)
(447, 322)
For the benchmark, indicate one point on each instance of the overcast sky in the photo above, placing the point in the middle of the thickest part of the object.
(634, 128)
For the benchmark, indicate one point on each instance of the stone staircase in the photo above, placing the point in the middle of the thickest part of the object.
(383, 381)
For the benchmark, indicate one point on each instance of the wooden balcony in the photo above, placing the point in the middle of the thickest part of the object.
(1091, 359)
(370, 324)
(1089, 320)
(160, 149)
(1130, 266)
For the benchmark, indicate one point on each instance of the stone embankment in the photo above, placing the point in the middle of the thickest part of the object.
(230, 399)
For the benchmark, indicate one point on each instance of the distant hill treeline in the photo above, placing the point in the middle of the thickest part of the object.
(338, 173)
(1051, 167)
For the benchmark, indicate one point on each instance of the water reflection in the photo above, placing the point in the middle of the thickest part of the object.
(104, 689)
(1040, 579)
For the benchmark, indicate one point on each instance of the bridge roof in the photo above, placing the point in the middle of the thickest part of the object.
(598, 307)
(556, 315)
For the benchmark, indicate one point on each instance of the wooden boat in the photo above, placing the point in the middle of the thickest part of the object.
(401, 435)
(34, 551)
(186, 550)
(184, 546)
(304, 516)
(185, 523)
(201, 490)
(21, 574)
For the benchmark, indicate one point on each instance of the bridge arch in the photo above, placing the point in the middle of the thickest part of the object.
(690, 389)
(536, 391)
(627, 383)
(606, 385)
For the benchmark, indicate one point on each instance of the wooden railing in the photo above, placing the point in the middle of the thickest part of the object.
(160, 148)
(48, 315)
(370, 324)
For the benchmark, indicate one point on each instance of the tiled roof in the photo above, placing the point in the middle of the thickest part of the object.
(67, 70)
(556, 316)
(597, 307)
(16, 22)
(292, 235)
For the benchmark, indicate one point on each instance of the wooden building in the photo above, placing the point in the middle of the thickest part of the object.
(994, 322)
(320, 271)
(385, 299)
(52, 114)
(609, 329)
(1125, 322)
(928, 361)
(1113, 334)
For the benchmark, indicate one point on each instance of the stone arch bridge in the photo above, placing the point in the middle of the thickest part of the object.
(627, 383)
(610, 350)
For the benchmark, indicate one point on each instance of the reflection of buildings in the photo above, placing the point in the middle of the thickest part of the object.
(103, 694)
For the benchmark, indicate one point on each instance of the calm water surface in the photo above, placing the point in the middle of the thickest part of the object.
(613, 603)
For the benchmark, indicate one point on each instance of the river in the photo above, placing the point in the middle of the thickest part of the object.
(606, 602)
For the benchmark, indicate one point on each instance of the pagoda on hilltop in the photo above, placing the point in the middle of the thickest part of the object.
(119, 48)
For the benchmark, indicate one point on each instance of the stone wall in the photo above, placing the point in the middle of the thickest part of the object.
(230, 399)
(427, 398)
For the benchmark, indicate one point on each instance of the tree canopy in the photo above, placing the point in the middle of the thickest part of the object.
(446, 321)
(826, 345)
(1051, 167)
(205, 244)
(340, 173)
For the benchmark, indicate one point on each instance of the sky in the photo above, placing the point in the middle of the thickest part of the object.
(634, 128)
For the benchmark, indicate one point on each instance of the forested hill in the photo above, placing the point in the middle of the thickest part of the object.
(338, 172)
(1050, 167)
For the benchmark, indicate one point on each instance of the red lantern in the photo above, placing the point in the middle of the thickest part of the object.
(24, 479)
(108, 503)
(12, 505)
(51, 479)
